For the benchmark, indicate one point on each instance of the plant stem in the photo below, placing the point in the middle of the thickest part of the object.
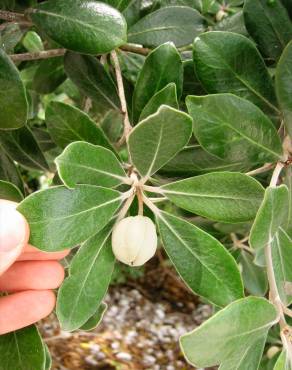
(274, 293)
(121, 91)
(10, 16)
(264, 168)
(152, 189)
(135, 49)
(37, 55)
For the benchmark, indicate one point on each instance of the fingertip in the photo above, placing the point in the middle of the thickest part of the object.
(14, 233)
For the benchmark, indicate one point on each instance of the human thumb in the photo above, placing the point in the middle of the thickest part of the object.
(14, 234)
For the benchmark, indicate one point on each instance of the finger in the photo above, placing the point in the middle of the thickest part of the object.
(14, 234)
(23, 309)
(31, 253)
(32, 275)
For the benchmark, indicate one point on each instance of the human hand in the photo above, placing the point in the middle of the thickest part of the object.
(25, 272)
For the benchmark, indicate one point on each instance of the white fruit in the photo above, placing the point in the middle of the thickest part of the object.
(134, 240)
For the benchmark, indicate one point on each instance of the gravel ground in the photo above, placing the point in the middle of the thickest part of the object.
(137, 332)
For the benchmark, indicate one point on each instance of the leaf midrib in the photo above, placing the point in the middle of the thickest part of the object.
(192, 252)
(245, 83)
(48, 220)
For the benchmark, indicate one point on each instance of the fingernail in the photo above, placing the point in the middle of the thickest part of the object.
(13, 227)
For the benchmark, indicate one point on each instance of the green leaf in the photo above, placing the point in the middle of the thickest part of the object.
(162, 66)
(95, 319)
(10, 192)
(92, 79)
(221, 196)
(119, 4)
(9, 172)
(189, 248)
(81, 25)
(234, 23)
(282, 264)
(283, 362)
(61, 218)
(10, 36)
(271, 215)
(67, 124)
(217, 55)
(194, 160)
(269, 25)
(32, 42)
(48, 363)
(89, 277)
(283, 81)
(14, 107)
(166, 96)
(237, 346)
(84, 163)
(22, 349)
(49, 75)
(254, 277)
(179, 24)
(154, 141)
(251, 137)
(22, 147)
(288, 183)
(131, 65)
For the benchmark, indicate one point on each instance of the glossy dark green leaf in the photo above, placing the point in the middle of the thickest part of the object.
(221, 196)
(32, 42)
(22, 349)
(119, 4)
(196, 4)
(131, 65)
(162, 66)
(194, 160)
(271, 215)
(49, 75)
(217, 55)
(189, 248)
(10, 192)
(89, 277)
(14, 107)
(154, 141)
(251, 137)
(269, 25)
(254, 277)
(84, 163)
(237, 346)
(95, 319)
(60, 218)
(43, 138)
(10, 36)
(178, 24)
(166, 96)
(9, 172)
(234, 23)
(191, 83)
(283, 80)
(22, 147)
(92, 79)
(81, 25)
(282, 264)
(67, 124)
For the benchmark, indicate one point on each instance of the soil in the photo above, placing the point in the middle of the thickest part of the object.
(139, 331)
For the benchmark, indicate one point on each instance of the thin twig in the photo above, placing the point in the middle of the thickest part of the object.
(11, 17)
(264, 168)
(37, 55)
(121, 91)
(135, 49)
(274, 293)
(276, 174)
